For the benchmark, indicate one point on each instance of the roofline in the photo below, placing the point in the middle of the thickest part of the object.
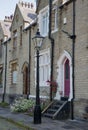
(37, 6)
(6, 41)
(31, 24)
(26, 21)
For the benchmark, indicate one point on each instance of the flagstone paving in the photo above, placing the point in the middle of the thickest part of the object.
(47, 124)
(6, 125)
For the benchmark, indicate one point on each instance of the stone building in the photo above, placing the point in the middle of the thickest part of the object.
(63, 54)
(4, 35)
(16, 53)
(18, 49)
(70, 66)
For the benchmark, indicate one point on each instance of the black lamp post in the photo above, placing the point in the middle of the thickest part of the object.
(38, 39)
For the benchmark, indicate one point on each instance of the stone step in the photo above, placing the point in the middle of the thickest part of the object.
(55, 106)
(52, 110)
(48, 115)
(58, 102)
(56, 111)
(64, 98)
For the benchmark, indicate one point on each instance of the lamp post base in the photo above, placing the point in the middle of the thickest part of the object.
(37, 114)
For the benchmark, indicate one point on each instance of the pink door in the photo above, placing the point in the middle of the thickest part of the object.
(66, 78)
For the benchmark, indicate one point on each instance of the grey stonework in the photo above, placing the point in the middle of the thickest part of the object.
(62, 43)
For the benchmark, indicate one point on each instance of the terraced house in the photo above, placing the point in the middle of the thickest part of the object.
(63, 61)
(14, 65)
(18, 49)
(4, 35)
(64, 51)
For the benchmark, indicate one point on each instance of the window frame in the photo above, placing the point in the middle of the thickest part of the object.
(14, 77)
(15, 39)
(1, 77)
(1, 41)
(21, 35)
(45, 23)
(43, 13)
(55, 28)
(43, 67)
(14, 72)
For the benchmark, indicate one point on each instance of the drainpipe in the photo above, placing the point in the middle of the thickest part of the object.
(29, 60)
(73, 62)
(52, 46)
(5, 72)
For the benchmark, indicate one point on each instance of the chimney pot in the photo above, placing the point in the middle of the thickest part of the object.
(31, 5)
(28, 5)
(11, 17)
(22, 3)
(25, 4)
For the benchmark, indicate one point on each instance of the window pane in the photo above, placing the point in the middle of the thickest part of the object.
(0, 50)
(15, 39)
(45, 23)
(45, 58)
(14, 42)
(21, 35)
(45, 73)
(55, 27)
(48, 72)
(44, 68)
(14, 76)
(0, 78)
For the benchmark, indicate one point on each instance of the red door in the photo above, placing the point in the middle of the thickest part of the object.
(66, 78)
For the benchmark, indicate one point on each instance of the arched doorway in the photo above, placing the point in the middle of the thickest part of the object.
(25, 79)
(66, 78)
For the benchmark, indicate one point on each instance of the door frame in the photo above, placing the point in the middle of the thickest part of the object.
(25, 68)
(60, 76)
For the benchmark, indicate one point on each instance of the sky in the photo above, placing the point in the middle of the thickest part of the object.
(7, 7)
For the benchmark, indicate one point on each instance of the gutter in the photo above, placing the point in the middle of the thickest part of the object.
(52, 46)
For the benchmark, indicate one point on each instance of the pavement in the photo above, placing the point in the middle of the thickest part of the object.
(46, 124)
(6, 125)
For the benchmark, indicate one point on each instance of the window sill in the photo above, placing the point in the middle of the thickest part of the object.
(45, 35)
(64, 3)
(54, 31)
(44, 84)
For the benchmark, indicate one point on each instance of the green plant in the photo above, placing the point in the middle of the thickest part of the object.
(22, 105)
(4, 104)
